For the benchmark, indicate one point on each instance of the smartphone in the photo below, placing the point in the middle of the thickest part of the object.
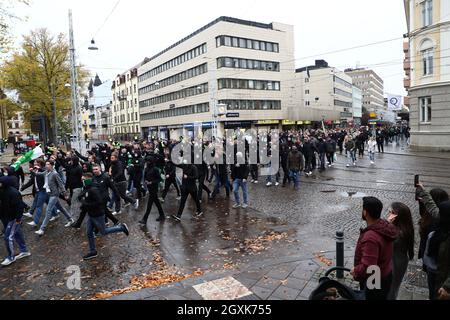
(416, 180)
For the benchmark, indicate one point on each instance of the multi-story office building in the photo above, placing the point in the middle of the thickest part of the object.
(357, 105)
(125, 112)
(428, 78)
(372, 87)
(323, 93)
(241, 67)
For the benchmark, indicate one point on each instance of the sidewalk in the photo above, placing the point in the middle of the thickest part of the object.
(404, 150)
(289, 278)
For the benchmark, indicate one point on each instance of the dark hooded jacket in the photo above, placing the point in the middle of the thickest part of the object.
(11, 204)
(375, 247)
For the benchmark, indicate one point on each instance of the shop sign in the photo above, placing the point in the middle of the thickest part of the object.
(288, 123)
(268, 122)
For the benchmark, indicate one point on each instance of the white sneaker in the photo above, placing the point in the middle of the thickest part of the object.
(256, 182)
(68, 224)
(7, 262)
(126, 205)
(268, 184)
(178, 198)
(236, 206)
(354, 164)
(40, 232)
(348, 166)
(32, 224)
(136, 204)
(371, 162)
(253, 181)
(115, 213)
(277, 184)
(22, 255)
(54, 218)
(28, 215)
(245, 206)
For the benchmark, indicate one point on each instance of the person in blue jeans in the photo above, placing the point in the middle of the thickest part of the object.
(92, 204)
(54, 187)
(239, 175)
(11, 210)
(295, 164)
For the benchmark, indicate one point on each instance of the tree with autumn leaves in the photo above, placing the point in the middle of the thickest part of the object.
(37, 73)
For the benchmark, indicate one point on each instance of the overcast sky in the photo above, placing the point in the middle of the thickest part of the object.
(140, 28)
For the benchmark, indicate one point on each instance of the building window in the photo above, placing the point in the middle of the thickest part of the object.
(427, 61)
(427, 12)
(306, 80)
(307, 103)
(247, 43)
(248, 84)
(306, 91)
(228, 62)
(425, 109)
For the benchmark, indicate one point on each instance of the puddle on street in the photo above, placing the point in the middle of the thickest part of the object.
(353, 195)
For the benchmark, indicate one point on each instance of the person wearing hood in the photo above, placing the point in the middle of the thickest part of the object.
(374, 248)
(12, 178)
(18, 173)
(11, 211)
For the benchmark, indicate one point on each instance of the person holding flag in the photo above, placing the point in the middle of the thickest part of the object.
(28, 157)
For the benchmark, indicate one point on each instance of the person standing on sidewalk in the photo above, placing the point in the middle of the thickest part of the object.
(93, 205)
(11, 210)
(400, 217)
(374, 248)
(239, 176)
(117, 171)
(54, 188)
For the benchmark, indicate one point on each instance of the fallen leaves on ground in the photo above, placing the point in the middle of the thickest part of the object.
(260, 243)
(324, 260)
(166, 275)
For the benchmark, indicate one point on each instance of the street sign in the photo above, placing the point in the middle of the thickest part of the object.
(233, 115)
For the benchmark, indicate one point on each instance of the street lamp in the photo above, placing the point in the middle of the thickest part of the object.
(93, 46)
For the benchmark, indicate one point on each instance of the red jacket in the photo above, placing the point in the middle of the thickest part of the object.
(375, 247)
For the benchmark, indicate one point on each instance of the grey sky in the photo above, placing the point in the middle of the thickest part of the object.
(140, 28)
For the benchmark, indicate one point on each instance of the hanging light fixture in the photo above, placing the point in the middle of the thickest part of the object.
(93, 46)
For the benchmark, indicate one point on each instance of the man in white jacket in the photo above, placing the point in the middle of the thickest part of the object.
(372, 145)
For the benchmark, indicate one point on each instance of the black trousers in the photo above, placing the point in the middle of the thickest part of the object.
(202, 186)
(330, 157)
(286, 174)
(170, 181)
(122, 188)
(137, 182)
(153, 199)
(380, 147)
(185, 192)
(308, 164)
(254, 171)
(378, 294)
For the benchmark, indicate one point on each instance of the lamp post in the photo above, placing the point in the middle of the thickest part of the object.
(55, 124)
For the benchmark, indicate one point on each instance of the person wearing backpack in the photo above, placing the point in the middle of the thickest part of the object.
(153, 179)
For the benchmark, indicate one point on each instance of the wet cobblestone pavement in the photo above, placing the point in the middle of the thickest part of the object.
(279, 223)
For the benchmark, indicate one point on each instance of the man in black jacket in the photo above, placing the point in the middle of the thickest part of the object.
(101, 181)
(171, 179)
(117, 173)
(188, 187)
(239, 175)
(153, 178)
(11, 210)
(92, 204)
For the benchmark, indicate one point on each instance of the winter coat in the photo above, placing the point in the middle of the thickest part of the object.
(240, 171)
(375, 247)
(295, 161)
(117, 171)
(11, 204)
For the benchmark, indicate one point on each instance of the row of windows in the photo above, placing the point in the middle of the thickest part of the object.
(188, 74)
(248, 84)
(126, 130)
(226, 62)
(252, 104)
(343, 93)
(124, 93)
(188, 92)
(175, 62)
(182, 111)
(343, 82)
(247, 44)
(121, 105)
(344, 104)
(130, 117)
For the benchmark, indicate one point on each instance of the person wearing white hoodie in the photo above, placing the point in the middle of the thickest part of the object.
(372, 145)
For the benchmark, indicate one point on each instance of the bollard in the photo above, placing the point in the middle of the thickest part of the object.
(340, 253)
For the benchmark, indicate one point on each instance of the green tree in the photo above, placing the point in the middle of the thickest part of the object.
(38, 73)
(7, 19)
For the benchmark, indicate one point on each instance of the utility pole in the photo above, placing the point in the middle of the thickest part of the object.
(74, 86)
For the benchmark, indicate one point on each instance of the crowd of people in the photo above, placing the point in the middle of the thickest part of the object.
(111, 176)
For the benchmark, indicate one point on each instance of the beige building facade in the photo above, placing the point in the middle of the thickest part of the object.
(428, 78)
(323, 93)
(236, 72)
